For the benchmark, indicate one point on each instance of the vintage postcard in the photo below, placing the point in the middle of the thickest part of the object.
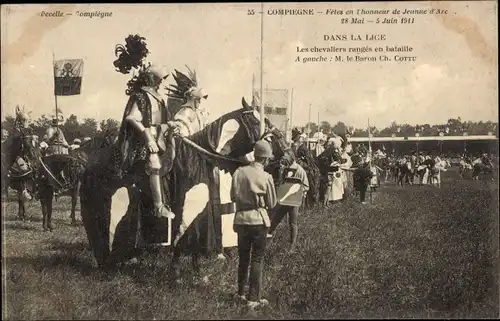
(250, 160)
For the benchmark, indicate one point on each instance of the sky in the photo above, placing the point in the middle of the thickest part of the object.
(456, 72)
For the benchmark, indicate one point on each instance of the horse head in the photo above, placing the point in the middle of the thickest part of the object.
(19, 145)
(235, 133)
(25, 147)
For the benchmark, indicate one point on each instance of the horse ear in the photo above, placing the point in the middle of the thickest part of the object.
(245, 104)
(18, 110)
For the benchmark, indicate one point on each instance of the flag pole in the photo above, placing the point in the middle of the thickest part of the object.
(309, 121)
(370, 158)
(262, 114)
(253, 86)
(319, 127)
(55, 95)
(290, 122)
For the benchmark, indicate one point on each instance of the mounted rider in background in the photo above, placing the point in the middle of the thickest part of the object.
(21, 125)
(76, 144)
(57, 143)
(56, 139)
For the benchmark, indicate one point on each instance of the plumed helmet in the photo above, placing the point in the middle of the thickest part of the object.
(77, 141)
(131, 55)
(22, 118)
(186, 86)
(262, 149)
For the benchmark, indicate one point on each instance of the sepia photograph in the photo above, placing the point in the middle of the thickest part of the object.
(262, 160)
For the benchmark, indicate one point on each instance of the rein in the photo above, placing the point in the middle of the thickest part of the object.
(206, 152)
(10, 175)
(217, 156)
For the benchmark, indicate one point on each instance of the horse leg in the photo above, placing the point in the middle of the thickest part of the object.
(74, 198)
(195, 263)
(43, 203)
(176, 265)
(22, 209)
(49, 199)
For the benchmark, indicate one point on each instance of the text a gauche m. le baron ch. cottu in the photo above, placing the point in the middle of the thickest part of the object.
(400, 53)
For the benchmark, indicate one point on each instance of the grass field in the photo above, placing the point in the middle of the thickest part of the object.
(415, 252)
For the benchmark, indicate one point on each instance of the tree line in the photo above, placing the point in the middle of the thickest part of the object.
(72, 126)
(89, 127)
(453, 127)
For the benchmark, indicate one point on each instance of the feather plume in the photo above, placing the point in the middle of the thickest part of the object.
(183, 84)
(131, 55)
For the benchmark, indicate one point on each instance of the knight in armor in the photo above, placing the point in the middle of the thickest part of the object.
(21, 125)
(190, 118)
(144, 113)
(56, 139)
(140, 128)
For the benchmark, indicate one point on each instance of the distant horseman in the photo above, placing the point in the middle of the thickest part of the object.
(56, 139)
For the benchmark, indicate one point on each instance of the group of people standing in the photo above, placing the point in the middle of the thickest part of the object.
(343, 170)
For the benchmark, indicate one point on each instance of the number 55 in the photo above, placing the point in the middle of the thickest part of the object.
(250, 12)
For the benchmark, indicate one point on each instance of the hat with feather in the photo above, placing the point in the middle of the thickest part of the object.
(186, 86)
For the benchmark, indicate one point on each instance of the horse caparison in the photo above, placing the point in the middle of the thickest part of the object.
(190, 167)
(19, 145)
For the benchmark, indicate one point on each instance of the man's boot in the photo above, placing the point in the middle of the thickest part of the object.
(161, 210)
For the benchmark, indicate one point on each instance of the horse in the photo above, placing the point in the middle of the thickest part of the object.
(23, 146)
(188, 176)
(72, 165)
(479, 167)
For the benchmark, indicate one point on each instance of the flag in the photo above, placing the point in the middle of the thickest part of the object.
(68, 75)
(276, 106)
